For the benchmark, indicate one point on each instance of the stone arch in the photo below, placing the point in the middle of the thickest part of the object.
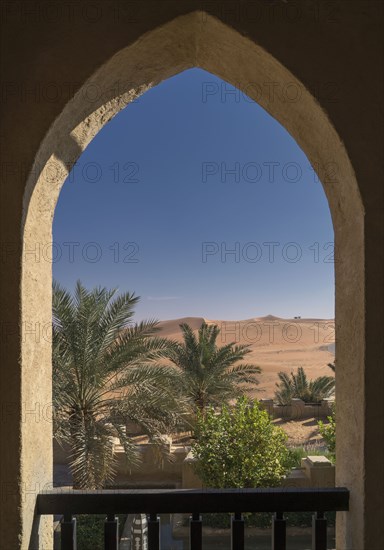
(196, 40)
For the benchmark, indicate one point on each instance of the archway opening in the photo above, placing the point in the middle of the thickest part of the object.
(244, 63)
(206, 208)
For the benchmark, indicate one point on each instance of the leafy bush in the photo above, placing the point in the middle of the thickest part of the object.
(240, 447)
(297, 453)
(90, 531)
(328, 431)
(262, 520)
(223, 521)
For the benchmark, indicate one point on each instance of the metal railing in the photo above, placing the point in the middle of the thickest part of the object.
(195, 502)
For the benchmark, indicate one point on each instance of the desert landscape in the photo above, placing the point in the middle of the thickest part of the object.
(277, 344)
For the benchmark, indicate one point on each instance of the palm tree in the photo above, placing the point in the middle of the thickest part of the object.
(103, 375)
(298, 386)
(332, 366)
(209, 374)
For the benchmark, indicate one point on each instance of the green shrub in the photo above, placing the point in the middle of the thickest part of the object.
(262, 520)
(90, 531)
(297, 453)
(328, 431)
(240, 447)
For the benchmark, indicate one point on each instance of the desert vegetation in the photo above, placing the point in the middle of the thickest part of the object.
(105, 373)
(209, 375)
(328, 431)
(297, 385)
(240, 447)
(109, 371)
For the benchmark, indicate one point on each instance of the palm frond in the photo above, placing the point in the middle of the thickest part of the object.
(103, 374)
(209, 373)
(298, 386)
(92, 460)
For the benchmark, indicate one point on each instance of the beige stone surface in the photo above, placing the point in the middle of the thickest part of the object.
(190, 480)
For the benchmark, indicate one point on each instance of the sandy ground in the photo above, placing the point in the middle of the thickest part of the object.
(303, 433)
(276, 344)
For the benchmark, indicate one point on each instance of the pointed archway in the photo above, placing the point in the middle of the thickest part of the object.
(200, 40)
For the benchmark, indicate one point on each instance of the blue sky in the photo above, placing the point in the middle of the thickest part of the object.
(201, 203)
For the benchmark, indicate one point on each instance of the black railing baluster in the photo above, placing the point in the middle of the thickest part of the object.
(237, 532)
(151, 502)
(195, 532)
(68, 533)
(111, 533)
(279, 530)
(319, 531)
(153, 532)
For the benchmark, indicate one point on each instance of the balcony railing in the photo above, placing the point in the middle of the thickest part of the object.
(195, 502)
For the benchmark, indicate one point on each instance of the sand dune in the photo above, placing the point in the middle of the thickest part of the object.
(171, 329)
(277, 344)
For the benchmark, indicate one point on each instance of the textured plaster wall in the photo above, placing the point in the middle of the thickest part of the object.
(330, 51)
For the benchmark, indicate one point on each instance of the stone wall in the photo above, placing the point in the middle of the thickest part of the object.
(315, 471)
(153, 469)
(298, 410)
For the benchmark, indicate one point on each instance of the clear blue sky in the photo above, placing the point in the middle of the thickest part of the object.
(188, 173)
